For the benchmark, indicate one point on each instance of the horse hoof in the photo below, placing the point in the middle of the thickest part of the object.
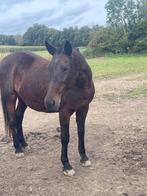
(86, 163)
(19, 155)
(69, 173)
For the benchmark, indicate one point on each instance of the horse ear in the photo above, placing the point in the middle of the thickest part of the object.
(51, 49)
(67, 48)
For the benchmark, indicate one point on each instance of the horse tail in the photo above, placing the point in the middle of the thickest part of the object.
(5, 115)
(4, 101)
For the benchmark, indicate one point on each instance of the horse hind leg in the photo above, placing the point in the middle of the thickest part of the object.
(21, 107)
(10, 102)
(80, 119)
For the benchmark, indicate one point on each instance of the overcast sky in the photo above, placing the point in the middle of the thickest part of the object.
(17, 15)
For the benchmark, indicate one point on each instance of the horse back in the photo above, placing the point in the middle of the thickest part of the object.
(20, 63)
(25, 74)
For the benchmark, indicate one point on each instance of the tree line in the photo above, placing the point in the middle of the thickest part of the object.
(37, 34)
(125, 32)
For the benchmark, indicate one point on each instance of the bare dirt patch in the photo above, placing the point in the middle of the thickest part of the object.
(116, 140)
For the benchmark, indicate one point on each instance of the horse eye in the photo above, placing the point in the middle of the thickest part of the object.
(65, 69)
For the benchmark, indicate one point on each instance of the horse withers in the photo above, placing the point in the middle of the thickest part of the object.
(62, 85)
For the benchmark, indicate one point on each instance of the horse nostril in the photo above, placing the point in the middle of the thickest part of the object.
(51, 103)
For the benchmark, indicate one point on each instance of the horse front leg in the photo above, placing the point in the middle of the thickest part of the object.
(80, 119)
(64, 117)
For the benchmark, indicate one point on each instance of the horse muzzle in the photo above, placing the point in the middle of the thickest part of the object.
(52, 104)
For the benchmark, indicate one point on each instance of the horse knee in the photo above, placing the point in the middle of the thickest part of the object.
(64, 137)
(12, 123)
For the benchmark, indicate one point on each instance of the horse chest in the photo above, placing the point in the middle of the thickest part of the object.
(76, 98)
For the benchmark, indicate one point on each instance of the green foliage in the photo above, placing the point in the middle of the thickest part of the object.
(7, 40)
(123, 14)
(126, 31)
(19, 39)
(37, 34)
(107, 40)
(54, 37)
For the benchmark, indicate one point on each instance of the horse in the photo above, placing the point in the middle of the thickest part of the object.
(62, 85)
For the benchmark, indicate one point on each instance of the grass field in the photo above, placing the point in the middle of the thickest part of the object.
(137, 92)
(113, 66)
(104, 67)
(7, 49)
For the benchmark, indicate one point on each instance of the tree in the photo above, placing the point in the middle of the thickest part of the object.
(19, 39)
(106, 40)
(35, 35)
(53, 36)
(129, 17)
(7, 40)
(121, 14)
(142, 9)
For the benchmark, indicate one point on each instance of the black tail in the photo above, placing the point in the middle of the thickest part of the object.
(5, 113)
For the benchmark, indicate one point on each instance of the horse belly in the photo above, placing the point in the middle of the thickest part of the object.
(35, 102)
(32, 93)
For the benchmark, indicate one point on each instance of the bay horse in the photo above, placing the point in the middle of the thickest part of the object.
(62, 85)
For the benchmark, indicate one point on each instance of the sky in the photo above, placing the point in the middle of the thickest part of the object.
(17, 15)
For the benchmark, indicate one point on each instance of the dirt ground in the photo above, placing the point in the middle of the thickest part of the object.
(116, 141)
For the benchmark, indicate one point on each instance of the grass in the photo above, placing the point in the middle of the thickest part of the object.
(7, 49)
(137, 92)
(140, 91)
(115, 66)
(43, 53)
(103, 67)
(2, 55)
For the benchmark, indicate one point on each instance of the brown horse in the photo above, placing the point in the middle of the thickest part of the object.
(62, 85)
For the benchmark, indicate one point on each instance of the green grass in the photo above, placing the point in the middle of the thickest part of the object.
(140, 91)
(2, 55)
(137, 92)
(102, 67)
(115, 66)
(43, 53)
(7, 49)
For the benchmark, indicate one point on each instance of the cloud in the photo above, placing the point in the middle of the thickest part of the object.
(16, 16)
(66, 15)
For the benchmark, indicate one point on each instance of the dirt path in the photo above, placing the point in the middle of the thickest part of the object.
(116, 140)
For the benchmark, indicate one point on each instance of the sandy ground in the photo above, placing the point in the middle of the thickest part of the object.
(116, 141)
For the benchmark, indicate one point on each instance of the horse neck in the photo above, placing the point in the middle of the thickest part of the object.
(82, 66)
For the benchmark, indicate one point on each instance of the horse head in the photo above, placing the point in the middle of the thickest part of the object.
(60, 73)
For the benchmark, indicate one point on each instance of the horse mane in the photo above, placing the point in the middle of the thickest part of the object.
(81, 64)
